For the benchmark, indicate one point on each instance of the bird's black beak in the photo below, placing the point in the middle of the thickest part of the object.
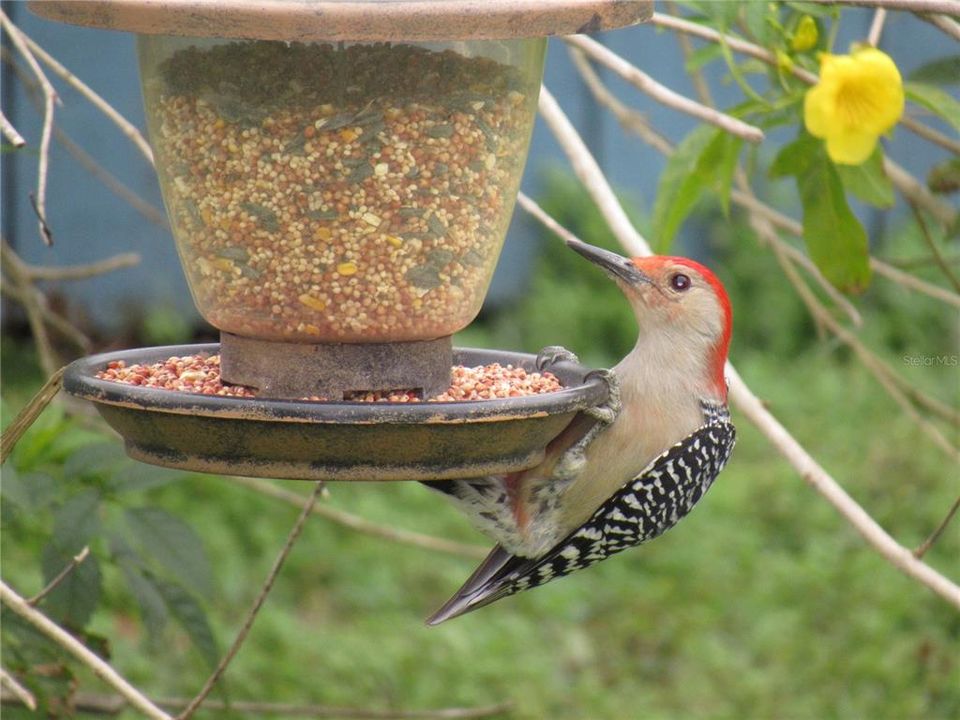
(617, 265)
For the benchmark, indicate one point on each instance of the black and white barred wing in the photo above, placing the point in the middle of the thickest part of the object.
(650, 504)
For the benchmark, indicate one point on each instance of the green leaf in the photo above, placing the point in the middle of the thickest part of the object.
(74, 600)
(702, 57)
(191, 617)
(944, 177)
(96, 460)
(134, 476)
(868, 181)
(835, 239)
(76, 522)
(153, 608)
(793, 157)
(173, 545)
(717, 164)
(937, 101)
(942, 71)
(679, 189)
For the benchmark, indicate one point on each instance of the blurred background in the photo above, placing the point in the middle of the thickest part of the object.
(764, 603)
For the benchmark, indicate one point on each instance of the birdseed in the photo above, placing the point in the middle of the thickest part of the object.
(326, 194)
(201, 374)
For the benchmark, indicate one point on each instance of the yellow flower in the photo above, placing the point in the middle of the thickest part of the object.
(859, 97)
(806, 36)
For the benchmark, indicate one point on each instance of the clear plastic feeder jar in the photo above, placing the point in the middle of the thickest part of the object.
(339, 192)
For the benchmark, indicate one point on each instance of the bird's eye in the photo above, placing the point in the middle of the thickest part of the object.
(680, 282)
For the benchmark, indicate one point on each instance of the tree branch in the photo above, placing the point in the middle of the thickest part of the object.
(10, 132)
(354, 522)
(69, 568)
(661, 94)
(935, 535)
(73, 646)
(19, 692)
(26, 417)
(257, 604)
(50, 99)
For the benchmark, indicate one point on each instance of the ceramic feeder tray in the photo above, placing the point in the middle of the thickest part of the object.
(337, 440)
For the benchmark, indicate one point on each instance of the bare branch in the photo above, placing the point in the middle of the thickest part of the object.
(126, 127)
(661, 94)
(741, 395)
(61, 576)
(876, 26)
(341, 517)
(73, 646)
(935, 535)
(257, 604)
(947, 24)
(57, 323)
(82, 272)
(114, 705)
(947, 7)
(934, 250)
(19, 41)
(914, 283)
(23, 696)
(33, 304)
(25, 418)
(10, 132)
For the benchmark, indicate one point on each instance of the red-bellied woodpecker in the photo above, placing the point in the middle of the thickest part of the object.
(625, 472)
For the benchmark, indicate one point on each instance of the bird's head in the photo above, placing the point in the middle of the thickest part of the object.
(674, 299)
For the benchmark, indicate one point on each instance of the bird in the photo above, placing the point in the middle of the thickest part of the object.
(623, 472)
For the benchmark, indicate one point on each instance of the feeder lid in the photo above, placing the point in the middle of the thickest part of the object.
(360, 20)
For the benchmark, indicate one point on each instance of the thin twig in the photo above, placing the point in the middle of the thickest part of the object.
(100, 668)
(61, 576)
(947, 24)
(631, 120)
(257, 604)
(25, 418)
(912, 189)
(934, 250)
(22, 695)
(914, 283)
(591, 176)
(354, 522)
(125, 126)
(114, 705)
(946, 7)
(935, 535)
(57, 323)
(33, 304)
(19, 41)
(748, 403)
(10, 132)
(662, 94)
(914, 262)
(84, 271)
(876, 26)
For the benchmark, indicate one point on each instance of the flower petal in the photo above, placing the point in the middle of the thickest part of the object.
(818, 114)
(850, 147)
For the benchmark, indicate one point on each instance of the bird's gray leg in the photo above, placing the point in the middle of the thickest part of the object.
(551, 355)
(572, 461)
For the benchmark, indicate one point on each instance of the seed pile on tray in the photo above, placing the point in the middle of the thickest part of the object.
(339, 194)
(201, 374)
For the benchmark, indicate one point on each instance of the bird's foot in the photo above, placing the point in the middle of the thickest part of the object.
(553, 354)
(607, 411)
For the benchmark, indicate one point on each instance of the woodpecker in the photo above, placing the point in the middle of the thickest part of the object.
(626, 471)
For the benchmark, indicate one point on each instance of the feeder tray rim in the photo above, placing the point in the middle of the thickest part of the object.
(350, 20)
(80, 380)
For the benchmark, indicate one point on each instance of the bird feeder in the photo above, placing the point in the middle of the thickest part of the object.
(339, 178)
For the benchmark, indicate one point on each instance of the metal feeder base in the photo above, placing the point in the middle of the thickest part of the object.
(334, 440)
(332, 370)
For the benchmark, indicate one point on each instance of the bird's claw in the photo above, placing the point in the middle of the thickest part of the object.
(553, 354)
(607, 411)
